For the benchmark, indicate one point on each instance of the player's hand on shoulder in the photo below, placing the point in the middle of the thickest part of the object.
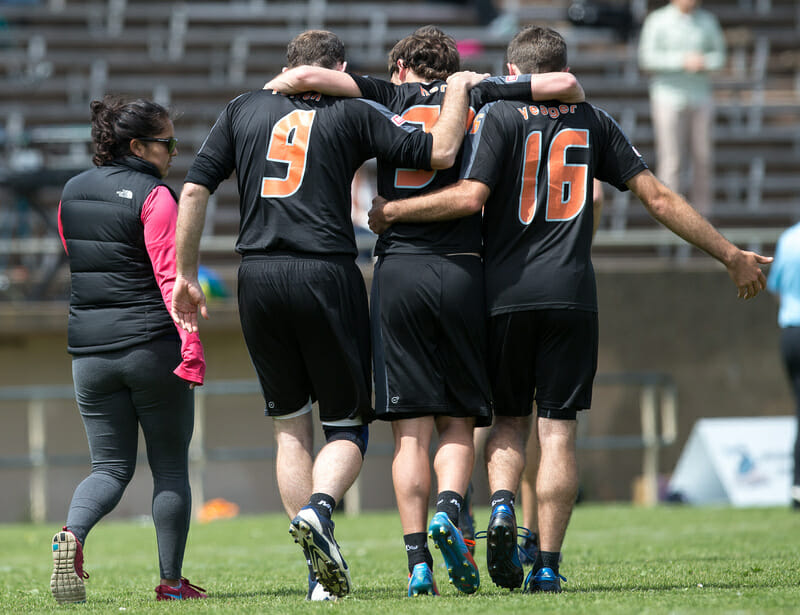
(285, 82)
(745, 271)
(278, 85)
(466, 78)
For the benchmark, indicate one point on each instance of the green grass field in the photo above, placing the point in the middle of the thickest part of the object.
(617, 559)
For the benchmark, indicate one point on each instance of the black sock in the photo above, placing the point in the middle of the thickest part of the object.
(417, 550)
(547, 559)
(450, 502)
(503, 496)
(322, 503)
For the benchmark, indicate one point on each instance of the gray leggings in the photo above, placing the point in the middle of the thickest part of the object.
(116, 392)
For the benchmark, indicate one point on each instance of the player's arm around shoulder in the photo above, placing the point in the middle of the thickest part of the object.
(464, 198)
(314, 79)
(448, 131)
(562, 85)
(671, 210)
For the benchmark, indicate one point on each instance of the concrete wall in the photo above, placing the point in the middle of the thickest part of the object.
(722, 353)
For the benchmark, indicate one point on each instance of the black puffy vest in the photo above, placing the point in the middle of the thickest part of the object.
(115, 301)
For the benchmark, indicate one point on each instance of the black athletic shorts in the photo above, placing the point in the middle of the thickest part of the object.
(305, 321)
(429, 337)
(546, 355)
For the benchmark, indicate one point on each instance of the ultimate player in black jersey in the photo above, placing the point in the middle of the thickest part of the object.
(428, 311)
(302, 299)
(531, 165)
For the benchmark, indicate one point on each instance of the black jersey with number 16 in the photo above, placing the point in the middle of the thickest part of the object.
(295, 157)
(539, 161)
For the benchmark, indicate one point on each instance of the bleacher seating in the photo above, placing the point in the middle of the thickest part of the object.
(195, 56)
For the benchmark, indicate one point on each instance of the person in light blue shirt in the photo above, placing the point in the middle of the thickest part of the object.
(784, 281)
(679, 46)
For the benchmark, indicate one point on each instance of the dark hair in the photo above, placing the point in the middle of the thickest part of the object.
(315, 48)
(537, 50)
(115, 122)
(428, 51)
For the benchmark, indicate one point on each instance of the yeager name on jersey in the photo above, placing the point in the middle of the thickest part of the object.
(552, 112)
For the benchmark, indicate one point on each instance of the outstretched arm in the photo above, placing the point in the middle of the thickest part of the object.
(187, 296)
(463, 198)
(677, 215)
(314, 79)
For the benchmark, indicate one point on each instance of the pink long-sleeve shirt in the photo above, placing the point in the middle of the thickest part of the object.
(159, 217)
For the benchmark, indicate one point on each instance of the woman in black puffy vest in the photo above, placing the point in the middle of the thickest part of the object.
(131, 365)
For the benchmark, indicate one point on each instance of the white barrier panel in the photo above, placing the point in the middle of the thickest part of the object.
(738, 461)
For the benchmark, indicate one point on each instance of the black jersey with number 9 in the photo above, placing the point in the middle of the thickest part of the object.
(295, 157)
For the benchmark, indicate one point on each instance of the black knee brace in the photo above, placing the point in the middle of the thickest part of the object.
(357, 434)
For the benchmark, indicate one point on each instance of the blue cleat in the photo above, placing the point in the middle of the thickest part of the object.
(315, 535)
(502, 558)
(460, 565)
(545, 580)
(421, 583)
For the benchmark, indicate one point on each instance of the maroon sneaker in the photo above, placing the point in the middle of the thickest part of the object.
(66, 584)
(186, 591)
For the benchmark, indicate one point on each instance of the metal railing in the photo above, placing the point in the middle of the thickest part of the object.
(657, 405)
(658, 412)
(626, 238)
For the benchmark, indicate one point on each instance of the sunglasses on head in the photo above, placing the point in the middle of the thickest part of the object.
(170, 142)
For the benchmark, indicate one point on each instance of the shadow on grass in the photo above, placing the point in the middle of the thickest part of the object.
(667, 587)
(267, 593)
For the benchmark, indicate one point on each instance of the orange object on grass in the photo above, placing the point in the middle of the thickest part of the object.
(218, 508)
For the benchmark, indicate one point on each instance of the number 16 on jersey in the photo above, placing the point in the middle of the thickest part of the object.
(567, 183)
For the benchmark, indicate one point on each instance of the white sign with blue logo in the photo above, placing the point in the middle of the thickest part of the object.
(738, 461)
